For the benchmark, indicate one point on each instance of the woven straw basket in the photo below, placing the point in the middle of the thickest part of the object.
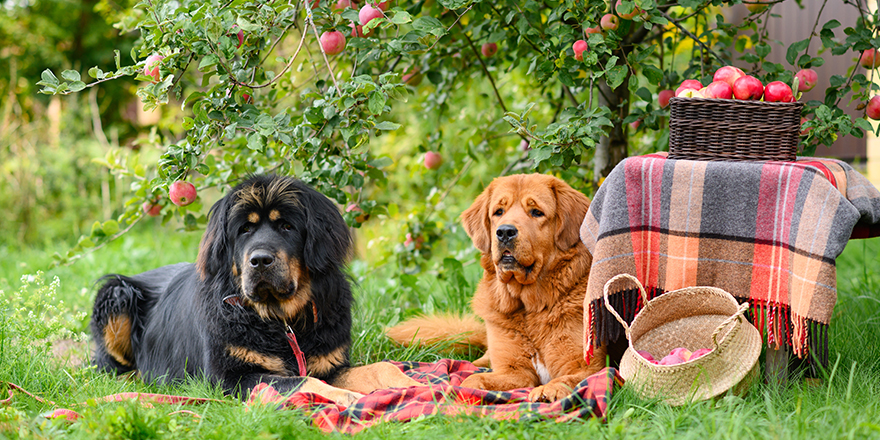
(693, 318)
(733, 130)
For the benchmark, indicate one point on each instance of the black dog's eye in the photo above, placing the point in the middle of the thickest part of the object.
(498, 212)
(286, 226)
(537, 213)
(247, 228)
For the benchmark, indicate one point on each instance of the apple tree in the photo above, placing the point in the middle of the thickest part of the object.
(350, 96)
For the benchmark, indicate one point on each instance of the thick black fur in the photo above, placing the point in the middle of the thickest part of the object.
(180, 324)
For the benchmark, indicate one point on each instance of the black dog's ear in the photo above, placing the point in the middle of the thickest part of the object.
(327, 241)
(214, 253)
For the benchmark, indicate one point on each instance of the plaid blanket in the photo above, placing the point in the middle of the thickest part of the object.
(767, 232)
(443, 395)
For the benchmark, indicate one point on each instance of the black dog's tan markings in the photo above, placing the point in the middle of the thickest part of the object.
(322, 364)
(272, 364)
(117, 335)
(271, 261)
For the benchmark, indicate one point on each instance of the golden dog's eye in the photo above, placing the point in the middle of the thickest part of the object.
(537, 213)
(498, 212)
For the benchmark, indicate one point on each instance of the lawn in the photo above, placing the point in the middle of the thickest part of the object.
(44, 314)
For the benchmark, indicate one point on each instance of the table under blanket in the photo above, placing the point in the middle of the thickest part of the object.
(442, 394)
(767, 232)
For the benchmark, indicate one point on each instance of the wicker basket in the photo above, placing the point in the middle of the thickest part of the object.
(693, 318)
(729, 129)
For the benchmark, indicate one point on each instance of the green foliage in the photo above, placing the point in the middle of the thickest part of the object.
(347, 124)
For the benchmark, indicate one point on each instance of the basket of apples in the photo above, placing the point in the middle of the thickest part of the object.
(701, 337)
(735, 118)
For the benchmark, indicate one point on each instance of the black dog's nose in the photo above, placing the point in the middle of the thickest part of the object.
(506, 233)
(261, 259)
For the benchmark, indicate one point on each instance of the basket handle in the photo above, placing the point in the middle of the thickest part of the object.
(608, 304)
(738, 315)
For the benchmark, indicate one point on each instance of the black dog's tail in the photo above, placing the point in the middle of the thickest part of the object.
(118, 322)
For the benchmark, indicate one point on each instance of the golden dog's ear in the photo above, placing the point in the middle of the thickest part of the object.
(476, 221)
(571, 208)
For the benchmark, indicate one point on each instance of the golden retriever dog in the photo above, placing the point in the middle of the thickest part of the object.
(531, 296)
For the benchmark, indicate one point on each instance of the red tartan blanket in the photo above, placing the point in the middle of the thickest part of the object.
(443, 395)
(767, 232)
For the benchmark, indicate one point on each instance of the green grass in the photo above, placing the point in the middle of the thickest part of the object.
(843, 405)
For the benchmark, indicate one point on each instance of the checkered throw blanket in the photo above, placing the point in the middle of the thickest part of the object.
(767, 232)
(443, 395)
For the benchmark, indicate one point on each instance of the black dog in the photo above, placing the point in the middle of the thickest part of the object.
(266, 301)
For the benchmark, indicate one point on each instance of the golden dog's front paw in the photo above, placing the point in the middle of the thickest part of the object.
(549, 393)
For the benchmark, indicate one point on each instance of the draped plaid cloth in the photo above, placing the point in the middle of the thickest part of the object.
(767, 232)
(443, 395)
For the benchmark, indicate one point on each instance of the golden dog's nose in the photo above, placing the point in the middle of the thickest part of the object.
(506, 233)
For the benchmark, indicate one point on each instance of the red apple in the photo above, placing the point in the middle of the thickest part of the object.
(700, 352)
(182, 193)
(682, 353)
(635, 124)
(805, 131)
(592, 30)
(246, 98)
(524, 145)
(718, 90)
(151, 66)
(342, 4)
(579, 47)
(489, 49)
(358, 30)
(688, 84)
(368, 13)
(691, 93)
(748, 87)
(433, 160)
(778, 91)
(728, 74)
(151, 209)
(645, 355)
(663, 97)
(873, 109)
(635, 11)
(869, 60)
(413, 76)
(333, 42)
(609, 22)
(807, 79)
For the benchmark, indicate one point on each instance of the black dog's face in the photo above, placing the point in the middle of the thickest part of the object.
(267, 227)
(271, 235)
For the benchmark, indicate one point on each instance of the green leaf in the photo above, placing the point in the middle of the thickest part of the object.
(48, 78)
(401, 17)
(615, 76)
(208, 61)
(761, 49)
(71, 75)
(96, 73)
(246, 25)
(831, 24)
(654, 74)
(376, 103)
(76, 86)
(110, 227)
(427, 24)
(381, 162)
(387, 126)
(794, 49)
(454, 4)
(255, 142)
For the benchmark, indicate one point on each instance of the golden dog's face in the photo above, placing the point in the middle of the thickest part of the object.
(521, 222)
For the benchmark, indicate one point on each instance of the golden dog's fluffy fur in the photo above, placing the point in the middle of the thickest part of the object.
(531, 296)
